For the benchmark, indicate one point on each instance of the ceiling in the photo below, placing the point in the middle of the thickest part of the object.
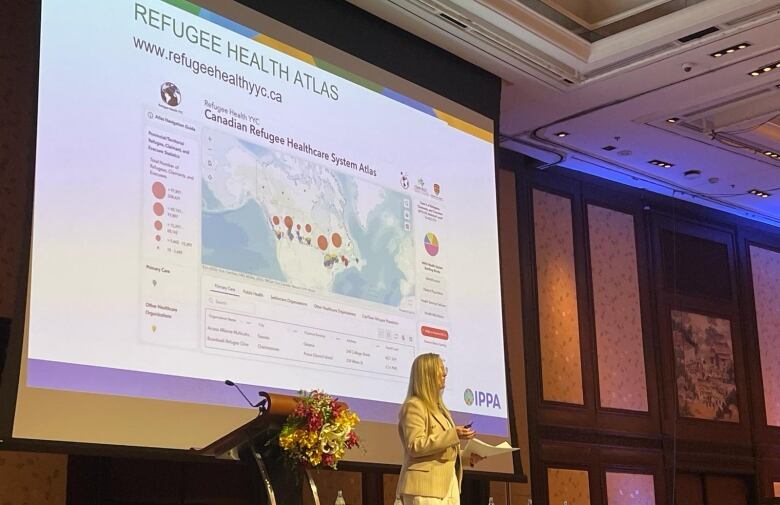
(597, 19)
(644, 91)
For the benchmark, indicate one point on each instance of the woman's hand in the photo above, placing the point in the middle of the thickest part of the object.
(464, 433)
(474, 458)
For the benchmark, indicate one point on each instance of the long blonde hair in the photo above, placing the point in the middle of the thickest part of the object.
(423, 382)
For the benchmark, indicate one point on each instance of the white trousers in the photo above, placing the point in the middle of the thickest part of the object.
(452, 498)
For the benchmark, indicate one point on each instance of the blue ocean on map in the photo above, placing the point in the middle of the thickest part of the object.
(233, 240)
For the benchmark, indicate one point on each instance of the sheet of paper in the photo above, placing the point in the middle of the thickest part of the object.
(486, 450)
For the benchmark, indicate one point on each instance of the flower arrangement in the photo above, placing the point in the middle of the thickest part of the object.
(319, 431)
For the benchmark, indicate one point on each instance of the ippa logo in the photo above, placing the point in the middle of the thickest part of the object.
(481, 398)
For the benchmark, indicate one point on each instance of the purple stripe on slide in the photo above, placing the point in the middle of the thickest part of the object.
(113, 381)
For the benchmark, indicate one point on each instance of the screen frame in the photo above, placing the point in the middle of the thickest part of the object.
(315, 28)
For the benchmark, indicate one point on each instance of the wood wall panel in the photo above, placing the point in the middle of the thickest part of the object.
(32, 478)
(688, 490)
(687, 259)
(329, 483)
(726, 490)
(677, 244)
(390, 483)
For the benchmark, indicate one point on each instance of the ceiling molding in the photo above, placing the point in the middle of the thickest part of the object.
(690, 20)
(602, 21)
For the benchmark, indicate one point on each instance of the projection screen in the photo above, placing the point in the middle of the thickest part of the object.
(218, 196)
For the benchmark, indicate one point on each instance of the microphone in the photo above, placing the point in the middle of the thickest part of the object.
(231, 383)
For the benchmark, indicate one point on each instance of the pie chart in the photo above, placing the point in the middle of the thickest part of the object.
(431, 244)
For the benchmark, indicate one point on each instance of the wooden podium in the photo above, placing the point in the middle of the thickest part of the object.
(249, 443)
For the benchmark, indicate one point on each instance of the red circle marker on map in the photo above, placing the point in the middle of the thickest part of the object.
(336, 239)
(158, 190)
(288, 222)
(157, 238)
(308, 228)
(322, 242)
(158, 225)
(158, 209)
(276, 220)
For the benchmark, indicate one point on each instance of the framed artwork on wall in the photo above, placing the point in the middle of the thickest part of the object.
(704, 367)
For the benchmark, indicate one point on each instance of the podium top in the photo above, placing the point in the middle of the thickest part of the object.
(273, 409)
(278, 405)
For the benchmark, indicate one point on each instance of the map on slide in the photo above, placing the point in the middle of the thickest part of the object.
(273, 215)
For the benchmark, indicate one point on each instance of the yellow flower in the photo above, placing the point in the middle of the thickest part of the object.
(331, 437)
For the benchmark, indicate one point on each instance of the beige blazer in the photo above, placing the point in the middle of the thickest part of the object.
(431, 451)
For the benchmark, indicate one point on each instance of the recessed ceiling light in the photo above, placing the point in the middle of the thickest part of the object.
(672, 120)
(562, 134)
(765, 68)
(609, 148)
(662, 164)
(771, 154)
(758, 192)
(730, 50)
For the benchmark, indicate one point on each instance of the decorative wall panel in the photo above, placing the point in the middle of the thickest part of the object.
(559, 331)
(704, 367)
(32, 478)
(570, 486)
(630, 489)
(766, 282)
(617, 309)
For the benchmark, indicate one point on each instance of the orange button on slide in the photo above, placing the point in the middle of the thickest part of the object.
(434, 332)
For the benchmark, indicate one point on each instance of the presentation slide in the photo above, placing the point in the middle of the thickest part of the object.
(213, 203)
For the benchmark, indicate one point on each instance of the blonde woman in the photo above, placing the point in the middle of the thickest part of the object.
(432, 470)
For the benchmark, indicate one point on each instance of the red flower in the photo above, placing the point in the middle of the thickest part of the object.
(352, 440)
(328, 459)
(315, 422)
